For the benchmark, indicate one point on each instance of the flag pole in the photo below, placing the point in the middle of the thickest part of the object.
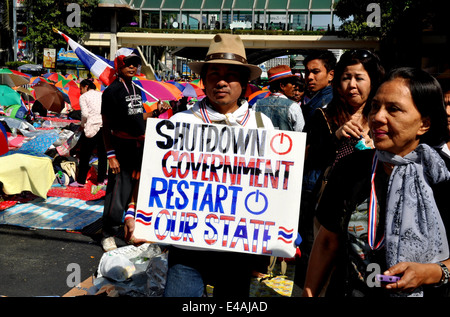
(145, 91)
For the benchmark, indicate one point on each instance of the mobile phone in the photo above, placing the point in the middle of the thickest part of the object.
(387, 278)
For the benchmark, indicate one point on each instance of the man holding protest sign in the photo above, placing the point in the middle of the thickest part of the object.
(219, 183)
(225, 74)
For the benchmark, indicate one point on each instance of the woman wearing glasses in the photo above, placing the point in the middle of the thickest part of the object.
(336, 131)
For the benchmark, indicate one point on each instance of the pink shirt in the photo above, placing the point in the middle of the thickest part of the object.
(91, 118)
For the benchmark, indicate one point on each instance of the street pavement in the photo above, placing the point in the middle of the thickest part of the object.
(40, 263)
(35, 263)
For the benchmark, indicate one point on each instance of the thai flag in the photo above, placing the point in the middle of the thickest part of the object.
(99, 67)
(285, 235)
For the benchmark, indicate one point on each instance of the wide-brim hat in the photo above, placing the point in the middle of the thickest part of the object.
(227, 49)
(279, 72)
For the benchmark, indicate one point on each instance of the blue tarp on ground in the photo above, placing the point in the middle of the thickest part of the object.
(55, 213)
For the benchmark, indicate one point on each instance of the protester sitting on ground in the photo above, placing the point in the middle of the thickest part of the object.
(123, 131)
(283, 111)
(92, 136)
(380, 211)
(319, 73)
(225, 74)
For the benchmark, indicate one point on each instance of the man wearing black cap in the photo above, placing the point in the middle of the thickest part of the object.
(284, 112)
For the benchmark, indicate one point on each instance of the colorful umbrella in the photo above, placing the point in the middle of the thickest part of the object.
(65, 83)
(71, 76)
(49, 96)
(71, 89)
(54, 77)
(11, 79)
(176, 84)
(192, 90)
(34, 80)
(99, 85)
(154, 90)
(198, 82)
(254, 97)
(251, 89)
(9, 96)
(150, 106)
(16, 72)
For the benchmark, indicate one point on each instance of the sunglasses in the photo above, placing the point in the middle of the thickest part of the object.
(131, 63)
(360, 54)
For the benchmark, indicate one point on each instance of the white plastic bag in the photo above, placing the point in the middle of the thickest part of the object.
(116, 267)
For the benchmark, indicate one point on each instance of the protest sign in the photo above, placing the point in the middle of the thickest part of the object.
(221, 187)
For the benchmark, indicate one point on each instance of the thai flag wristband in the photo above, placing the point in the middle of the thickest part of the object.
(130, 213)
(111, 154)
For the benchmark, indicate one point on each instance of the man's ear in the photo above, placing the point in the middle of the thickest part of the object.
(330, 75)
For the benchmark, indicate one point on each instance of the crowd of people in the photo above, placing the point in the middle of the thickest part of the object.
(375, 176)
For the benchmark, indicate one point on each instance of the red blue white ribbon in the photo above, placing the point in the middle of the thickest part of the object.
(205, 115)
(373, 217)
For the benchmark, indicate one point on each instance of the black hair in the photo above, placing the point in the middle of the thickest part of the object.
(327, 57)
(428, 98)
(88, 83)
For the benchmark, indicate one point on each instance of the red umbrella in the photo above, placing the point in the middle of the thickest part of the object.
(49, 96)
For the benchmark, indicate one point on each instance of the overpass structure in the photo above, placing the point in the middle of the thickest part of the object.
(194, 46)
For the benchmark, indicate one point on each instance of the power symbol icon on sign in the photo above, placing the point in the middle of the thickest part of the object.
(281, 144)
(258, 201)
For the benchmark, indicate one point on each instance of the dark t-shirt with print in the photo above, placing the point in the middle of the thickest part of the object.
(122, 105)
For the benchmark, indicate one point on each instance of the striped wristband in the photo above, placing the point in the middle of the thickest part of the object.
(111, 154)
(130, 213)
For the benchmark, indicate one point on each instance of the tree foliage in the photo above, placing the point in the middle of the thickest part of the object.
(44, 15)
(396, 16)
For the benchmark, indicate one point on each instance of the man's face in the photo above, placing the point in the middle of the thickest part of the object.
(129, 70)
(317, 76)
(223, 86)
(288, 89)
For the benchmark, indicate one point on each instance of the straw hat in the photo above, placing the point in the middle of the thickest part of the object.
(279, 72)
(227, 49)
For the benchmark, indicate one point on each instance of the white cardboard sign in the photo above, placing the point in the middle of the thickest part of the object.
(220, 187)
